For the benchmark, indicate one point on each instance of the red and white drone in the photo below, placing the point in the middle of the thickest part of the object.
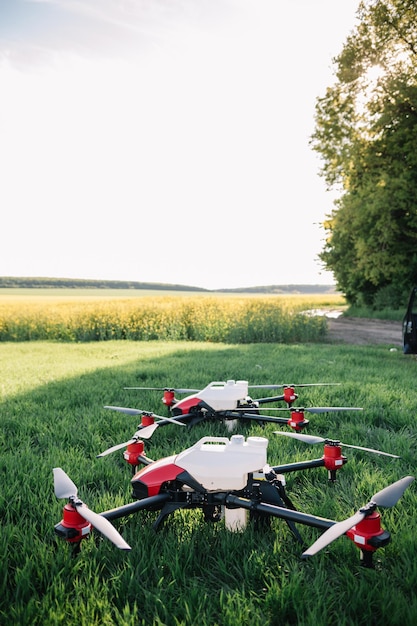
(229, 401)
(230, 479)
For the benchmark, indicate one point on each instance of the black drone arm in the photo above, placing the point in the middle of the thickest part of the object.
(270, 399)
(153, 502)
(301, 465)
(278, 511)
(257, 417)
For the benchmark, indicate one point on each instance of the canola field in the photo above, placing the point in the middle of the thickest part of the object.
(227, 318)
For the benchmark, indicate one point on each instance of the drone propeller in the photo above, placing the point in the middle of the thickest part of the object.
(316, 409)
(386, 498)
(160, 419)
(174, 389)
(65, 488)
(181, 390)
(312, 439)
(143, 432)
(147, 431)
(292, 385)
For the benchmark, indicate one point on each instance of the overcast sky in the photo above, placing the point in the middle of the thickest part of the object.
(165, 140)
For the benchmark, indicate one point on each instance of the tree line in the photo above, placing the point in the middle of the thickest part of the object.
(366, 135)
(78, 283)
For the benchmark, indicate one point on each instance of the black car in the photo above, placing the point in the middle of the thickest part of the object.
(410, 325)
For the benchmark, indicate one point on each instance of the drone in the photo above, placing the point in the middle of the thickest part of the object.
(229, 401)
(230, 480)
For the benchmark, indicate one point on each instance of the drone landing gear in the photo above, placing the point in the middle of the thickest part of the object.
(278, 484)
(212, 513)
(167, 509)
(366, 557)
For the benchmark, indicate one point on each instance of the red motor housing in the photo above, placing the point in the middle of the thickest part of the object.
(147, 420)
(73, 527)
(289, 395)
(168, 398)
(297, 420)
(368, 535)
(333, 458)
(134, 451)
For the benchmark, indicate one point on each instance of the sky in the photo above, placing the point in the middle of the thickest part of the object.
(165, 140)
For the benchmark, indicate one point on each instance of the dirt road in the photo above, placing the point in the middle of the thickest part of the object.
(363, 331)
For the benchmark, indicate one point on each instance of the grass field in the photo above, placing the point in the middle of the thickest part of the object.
(52, 398)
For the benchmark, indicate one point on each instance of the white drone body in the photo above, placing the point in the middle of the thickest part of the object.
(220, 396)
(222, 464)
(219, 464)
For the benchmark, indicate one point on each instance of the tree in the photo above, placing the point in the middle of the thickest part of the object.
(366, 134)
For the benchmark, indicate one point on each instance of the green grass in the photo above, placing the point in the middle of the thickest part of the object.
(394, 315)
(51, 414)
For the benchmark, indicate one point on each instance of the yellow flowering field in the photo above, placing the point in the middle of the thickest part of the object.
(230, 318)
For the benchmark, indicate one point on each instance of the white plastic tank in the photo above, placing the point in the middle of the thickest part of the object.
(223, 396)
(235, 519)
(220, 464)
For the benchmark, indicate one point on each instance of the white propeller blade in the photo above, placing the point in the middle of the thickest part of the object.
(311, 439)
(63, 485)
(315, 409)
(118, 446)
(386, 498)
(103, 525)
(144, 433)
(123, 409)
(390, 495)
(291, 386)
(304, 438)
(160, 418)
(147, 431)
(175, 389)
(65, 488)
(330, 409)
(333, 533)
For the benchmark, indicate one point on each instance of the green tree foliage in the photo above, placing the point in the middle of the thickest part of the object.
(366, 134)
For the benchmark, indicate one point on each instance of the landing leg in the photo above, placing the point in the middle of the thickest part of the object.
(366, 559)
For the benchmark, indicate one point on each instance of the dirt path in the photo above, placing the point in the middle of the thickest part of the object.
(362, 331)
